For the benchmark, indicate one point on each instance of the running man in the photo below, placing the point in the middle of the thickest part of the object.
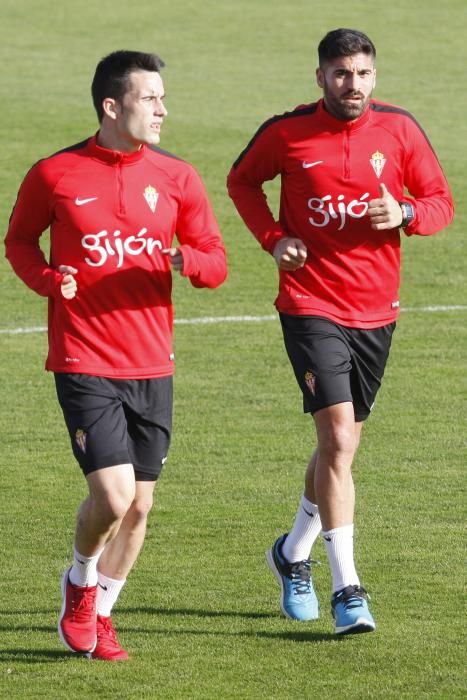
(114, 203)
(354, 171)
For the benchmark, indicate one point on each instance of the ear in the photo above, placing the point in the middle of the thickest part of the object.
(374, 79)
(320, 77)
(111, 108)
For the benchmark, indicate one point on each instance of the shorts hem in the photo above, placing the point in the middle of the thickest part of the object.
(144, 476)
(114, 460)
(359, 417)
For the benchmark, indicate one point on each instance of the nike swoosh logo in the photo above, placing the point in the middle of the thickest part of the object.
(79, 202)
(311, 165)
(100, 584)
(311, 515)
(328, 539)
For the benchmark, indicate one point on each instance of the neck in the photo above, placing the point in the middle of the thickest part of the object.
(340, 116)
(107, 137)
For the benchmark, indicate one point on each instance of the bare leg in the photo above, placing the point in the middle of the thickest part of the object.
(111, 493)
(329, 476)
(305, 530)
(310, 477)
(121, 553)
(115, 564)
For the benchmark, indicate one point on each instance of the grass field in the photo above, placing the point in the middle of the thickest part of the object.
(200, 612)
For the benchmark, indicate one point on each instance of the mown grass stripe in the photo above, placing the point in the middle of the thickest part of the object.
(240, 319)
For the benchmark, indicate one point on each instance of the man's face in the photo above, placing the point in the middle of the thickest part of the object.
(141, 111)
(347, 84)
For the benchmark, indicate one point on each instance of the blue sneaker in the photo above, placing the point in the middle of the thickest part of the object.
(349, 609)
(298, 599)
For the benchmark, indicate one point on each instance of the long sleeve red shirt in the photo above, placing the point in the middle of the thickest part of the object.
(329, 171)
(110, 216)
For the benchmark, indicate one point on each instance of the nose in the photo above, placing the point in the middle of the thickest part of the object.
(354, 81)
(159, 108)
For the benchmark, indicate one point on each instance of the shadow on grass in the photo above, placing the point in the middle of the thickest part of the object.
(121, 612)
(29, 656)
(196, 612)
(19, 655)
(296, 636)
(292, 636)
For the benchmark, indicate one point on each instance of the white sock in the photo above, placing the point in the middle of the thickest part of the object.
(108, 590)
(84, 569)
(304, 532)
(339, 548)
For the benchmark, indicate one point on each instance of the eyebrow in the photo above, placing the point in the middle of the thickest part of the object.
(348, 70)
(151, 97)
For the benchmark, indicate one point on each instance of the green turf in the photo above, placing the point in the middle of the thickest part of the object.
(200, 611)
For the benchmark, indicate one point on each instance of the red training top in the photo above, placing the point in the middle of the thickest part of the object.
(329, 170)
(110, 216)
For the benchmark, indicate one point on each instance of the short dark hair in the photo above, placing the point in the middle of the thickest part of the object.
(344, 42)
(112, 75)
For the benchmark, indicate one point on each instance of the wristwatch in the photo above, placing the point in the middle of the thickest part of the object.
(408, 213)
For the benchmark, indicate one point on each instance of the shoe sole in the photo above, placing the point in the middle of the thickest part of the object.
(272, 565)
(62, 613)
(358, 627)
(89, 656)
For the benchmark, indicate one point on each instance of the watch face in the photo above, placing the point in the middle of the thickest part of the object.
(407, 213)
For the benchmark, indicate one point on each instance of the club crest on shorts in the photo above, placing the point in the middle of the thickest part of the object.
(378, 161)
(310, 381)
(80, 439)
(151, 196)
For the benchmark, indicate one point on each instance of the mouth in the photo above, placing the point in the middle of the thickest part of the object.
(353, 97)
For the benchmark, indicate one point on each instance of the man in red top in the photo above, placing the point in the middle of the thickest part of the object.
(113, 204)
(345, 164)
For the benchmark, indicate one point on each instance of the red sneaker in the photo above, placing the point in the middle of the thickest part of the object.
(107, 647)
(77, 621)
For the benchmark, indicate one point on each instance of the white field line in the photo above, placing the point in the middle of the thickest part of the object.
(240, 319)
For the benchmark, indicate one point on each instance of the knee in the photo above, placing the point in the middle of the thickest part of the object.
(338, 441)
(113, 505)
(141, 507)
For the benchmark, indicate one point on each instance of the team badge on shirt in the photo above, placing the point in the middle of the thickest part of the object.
(151, 196)
(80, 438)
(310, 381)
(378, 161)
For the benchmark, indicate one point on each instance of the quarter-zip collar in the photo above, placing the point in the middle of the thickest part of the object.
(336, 125)
(111, 157)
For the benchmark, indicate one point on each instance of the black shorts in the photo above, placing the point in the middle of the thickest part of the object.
(117, 421)
(334, 363)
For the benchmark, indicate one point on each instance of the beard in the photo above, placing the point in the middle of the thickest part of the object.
(344, 109)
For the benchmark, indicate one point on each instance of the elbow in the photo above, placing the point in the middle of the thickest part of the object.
(221, 278)
(217, 276)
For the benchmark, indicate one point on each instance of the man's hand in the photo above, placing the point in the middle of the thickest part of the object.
(384, 212)
(290, 254)
(68, 286)
(175, 257)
